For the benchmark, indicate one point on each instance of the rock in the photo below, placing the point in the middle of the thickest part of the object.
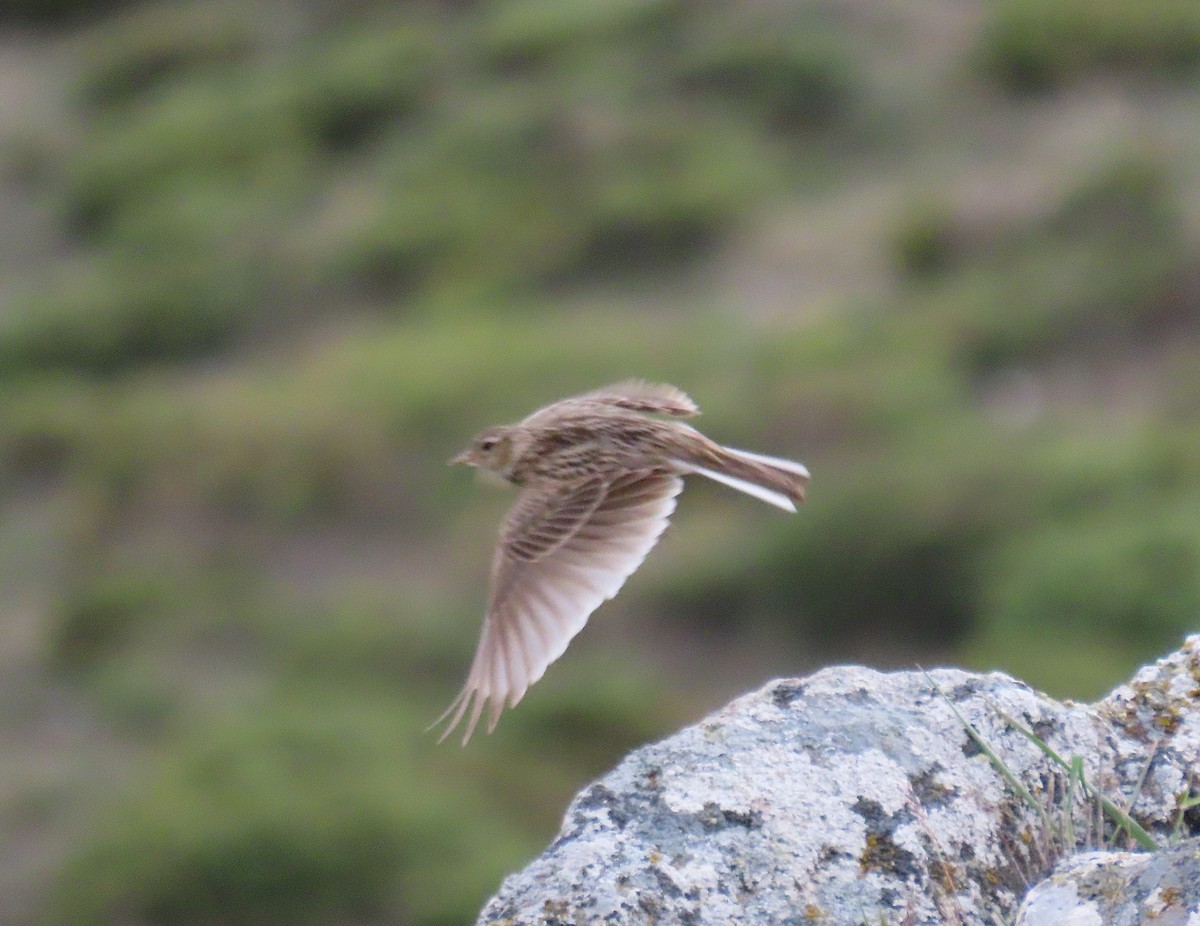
(855, 796)
(1098, 888)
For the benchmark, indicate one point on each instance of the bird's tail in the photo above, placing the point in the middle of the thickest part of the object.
(775, 481)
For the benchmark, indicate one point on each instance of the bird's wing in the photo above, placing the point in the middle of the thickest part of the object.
(538, 604)
(652, 398)
(633, 395)
(543, 518)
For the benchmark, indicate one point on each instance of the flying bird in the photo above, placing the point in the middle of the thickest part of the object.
(598, 475)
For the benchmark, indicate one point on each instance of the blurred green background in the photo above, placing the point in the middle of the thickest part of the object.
(264, 266)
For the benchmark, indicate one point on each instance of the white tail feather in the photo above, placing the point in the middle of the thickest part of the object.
(771, 497)
(788, 466)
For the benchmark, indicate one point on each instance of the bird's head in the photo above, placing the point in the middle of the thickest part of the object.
(490, 450)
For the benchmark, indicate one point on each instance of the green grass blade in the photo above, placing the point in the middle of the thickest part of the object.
(1120, 817)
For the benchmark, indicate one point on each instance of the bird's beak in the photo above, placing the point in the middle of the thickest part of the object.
(462, 459)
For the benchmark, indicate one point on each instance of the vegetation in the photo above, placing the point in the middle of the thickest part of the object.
(263, 274)
(1034, 46)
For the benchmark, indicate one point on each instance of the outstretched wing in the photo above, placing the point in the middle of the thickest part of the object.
(543, 518)
(633, 395)
(652, 398)
(540, 600)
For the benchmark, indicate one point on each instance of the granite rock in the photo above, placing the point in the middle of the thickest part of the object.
(855, 796)
(1120, 889)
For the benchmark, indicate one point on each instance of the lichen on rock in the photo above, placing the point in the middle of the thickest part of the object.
(1120, 887)
(858, 796)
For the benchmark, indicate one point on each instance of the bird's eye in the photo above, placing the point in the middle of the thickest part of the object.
(487, 444)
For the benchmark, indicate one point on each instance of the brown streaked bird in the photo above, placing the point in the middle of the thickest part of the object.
(598, 478)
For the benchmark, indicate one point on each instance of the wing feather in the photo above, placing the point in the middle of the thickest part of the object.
(538, 605)
(544, 518)
(652, 398)
(635, 395)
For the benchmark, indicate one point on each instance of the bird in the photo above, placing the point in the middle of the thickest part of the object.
(598, 475)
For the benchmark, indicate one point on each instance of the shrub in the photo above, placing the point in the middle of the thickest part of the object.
(110, 319)
(794, 79)
(52, 13)
(1123, 571)
(132, 55)
(924, 240)
(99, 616)
(308, 810)
(875, 563)
(364, 84)
(1102, 267)
(1037, 45)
